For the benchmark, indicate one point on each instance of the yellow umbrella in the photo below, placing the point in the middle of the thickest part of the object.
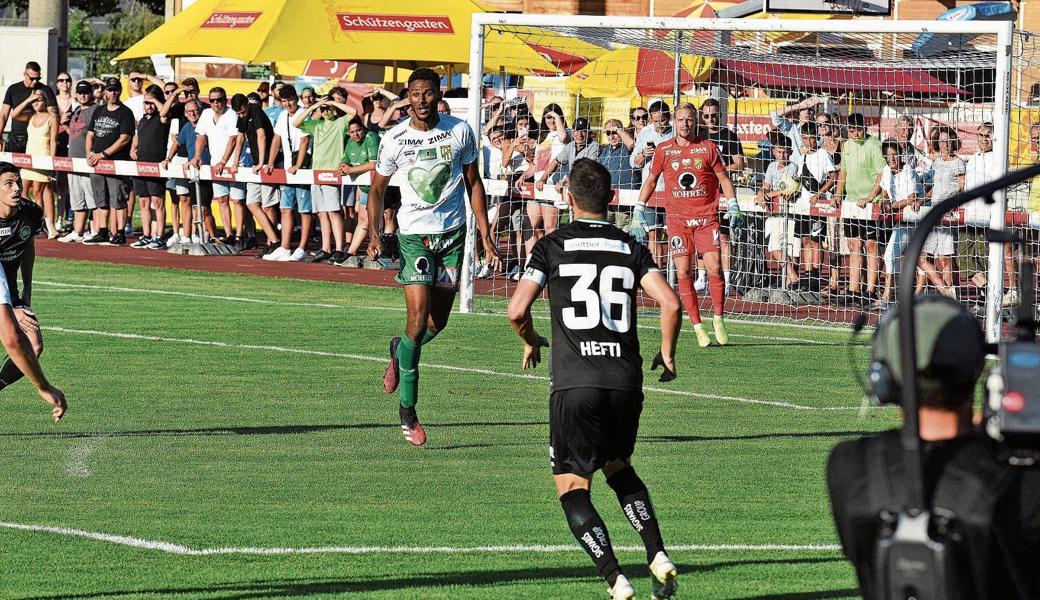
(779, 37)
(408, 32)
(649, 72)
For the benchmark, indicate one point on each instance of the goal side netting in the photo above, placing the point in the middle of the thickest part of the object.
(901, 114)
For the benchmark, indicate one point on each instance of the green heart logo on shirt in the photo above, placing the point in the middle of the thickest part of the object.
(428, 185)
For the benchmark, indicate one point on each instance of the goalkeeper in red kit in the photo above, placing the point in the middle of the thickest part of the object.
(693, 173)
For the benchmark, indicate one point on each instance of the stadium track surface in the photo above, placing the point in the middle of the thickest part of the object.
(247, 264)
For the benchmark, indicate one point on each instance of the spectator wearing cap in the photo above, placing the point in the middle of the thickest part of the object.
(81, 194)
(581, 146)
(652, 218)
(149, 145)
(191, 196)
(14, 96)
(615, 156)
(328, 134)
(293, 145)
(261, 199)
(862, 163)
(108, 138)
(218, 130)
(803, 112)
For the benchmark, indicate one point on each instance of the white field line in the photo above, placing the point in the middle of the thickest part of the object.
(171, 548)
(379, 359)
(59, 286)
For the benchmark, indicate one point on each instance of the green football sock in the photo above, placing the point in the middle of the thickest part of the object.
(428, 337)
(408, 358)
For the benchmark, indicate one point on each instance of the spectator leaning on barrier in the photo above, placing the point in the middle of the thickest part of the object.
(188, 193)
(805, 112)
(108, 138)
(580, 146)
(732, 154)
(259, 136)
(616, 156)
(973, 248)
(947, 175)
(293, 145)
(817, 176)
(42, 131)
(328, 134)
(779, 231)
(15, 96)
(81, 194)
(652, 218)
(858, 180)
(359, 158)
(149, 145)
(275, 107)
(217, 129)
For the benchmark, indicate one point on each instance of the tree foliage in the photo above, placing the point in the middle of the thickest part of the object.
(125, 29)
(92, 8)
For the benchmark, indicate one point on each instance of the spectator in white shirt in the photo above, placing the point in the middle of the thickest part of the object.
(218, 130)
(805, 112)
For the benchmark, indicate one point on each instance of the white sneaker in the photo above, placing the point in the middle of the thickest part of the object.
(700, 285)
(663, 583)
(484, 272)
(174, 239)
(71, 238)
(298, 255)
(622, 589)
(196, 239)
(514, 273)
(1011, 298)
(279, 254)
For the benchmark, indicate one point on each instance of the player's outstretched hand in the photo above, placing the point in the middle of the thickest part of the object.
(533, 354)
(56, 399)
(491, 252)
(668, 373)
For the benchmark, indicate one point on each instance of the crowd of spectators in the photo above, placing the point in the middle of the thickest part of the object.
(816, 158)
(177, 126)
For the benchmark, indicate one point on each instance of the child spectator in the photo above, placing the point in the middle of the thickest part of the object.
(293, 144)
(780, 230)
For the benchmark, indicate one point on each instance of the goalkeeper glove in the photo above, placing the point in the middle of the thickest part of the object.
(637, 227)
(736, 216)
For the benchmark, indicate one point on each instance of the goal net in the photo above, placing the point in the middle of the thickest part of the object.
(901, 114)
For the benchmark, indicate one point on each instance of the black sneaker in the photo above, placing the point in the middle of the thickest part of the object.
(118, 239)
(251, 243)
(342, 262)
(229, 240)
(319, 256)
(337, 257)
(98, 238)
(267, 249)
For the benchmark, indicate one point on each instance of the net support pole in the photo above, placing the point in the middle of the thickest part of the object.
(476, 63)
(1001, 131)
(678, 70)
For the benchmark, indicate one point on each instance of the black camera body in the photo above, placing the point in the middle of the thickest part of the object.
(1012, 409)
(915, 565)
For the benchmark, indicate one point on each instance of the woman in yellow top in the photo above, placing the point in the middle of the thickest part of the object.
(42, 130)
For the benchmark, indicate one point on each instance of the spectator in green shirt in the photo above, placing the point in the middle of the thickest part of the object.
(328, 134)
(859, 180)
(359, 158)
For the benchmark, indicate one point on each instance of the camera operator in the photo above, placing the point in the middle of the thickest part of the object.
(986, 509)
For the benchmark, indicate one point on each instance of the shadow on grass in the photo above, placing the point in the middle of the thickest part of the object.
(303, 587)
(251, 430)
(824, 595)
(756, 436)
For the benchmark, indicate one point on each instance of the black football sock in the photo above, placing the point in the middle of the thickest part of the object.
(635, 502)
(590, 531)
(9, 373)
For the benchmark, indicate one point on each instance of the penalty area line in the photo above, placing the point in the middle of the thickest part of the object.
(366, 358)
(172, 548)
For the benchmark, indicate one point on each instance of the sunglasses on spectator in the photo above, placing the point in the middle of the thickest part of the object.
(714, 116)
(218, 100)
(985, 136)
(191, 112)
(641, 117)
(63, 80)
(31, 78)
(137, 79)
(611, 132)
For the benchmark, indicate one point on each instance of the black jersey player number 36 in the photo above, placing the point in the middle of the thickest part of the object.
(599, 306)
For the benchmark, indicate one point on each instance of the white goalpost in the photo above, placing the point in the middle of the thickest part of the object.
(931, 90)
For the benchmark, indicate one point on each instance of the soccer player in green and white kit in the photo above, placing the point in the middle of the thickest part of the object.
(439, 156)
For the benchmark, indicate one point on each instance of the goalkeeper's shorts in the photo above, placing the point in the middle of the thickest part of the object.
(691, 237)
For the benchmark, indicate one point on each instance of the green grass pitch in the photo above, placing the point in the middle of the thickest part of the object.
(257, 420)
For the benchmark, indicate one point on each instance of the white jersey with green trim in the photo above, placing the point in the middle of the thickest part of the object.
(433, 194)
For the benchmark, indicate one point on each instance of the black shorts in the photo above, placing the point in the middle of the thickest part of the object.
(814, 228)
(392, 198)
(864, 229)
(150, 186)
(16, 142)
(589, 427)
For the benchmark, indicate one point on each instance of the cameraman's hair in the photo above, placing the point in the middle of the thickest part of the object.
(426, 74)
(238, 102)
(6, 167)
(590, 185)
